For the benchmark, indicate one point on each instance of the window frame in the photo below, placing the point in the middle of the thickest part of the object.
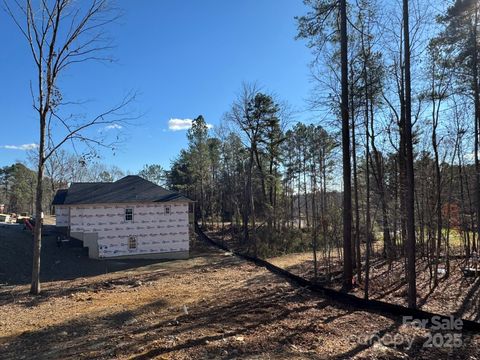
(132, 239)
(169, 212)
(131, 214)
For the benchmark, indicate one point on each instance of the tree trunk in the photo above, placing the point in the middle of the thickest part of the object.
(368, 221)
(464, 228)
(477, 122)
(305, 192)
(314, 222)
(248, 197)
(410, 183)
(37, 231)
(356, 255)
(438, 181)
(347, 186)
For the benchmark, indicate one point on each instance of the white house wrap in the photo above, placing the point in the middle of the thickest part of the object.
(61, 215)
(134, 218)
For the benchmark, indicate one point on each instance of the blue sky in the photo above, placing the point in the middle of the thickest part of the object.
(184, 58)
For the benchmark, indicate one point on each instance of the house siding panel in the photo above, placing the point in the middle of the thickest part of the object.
(61, 216)
(155, 231)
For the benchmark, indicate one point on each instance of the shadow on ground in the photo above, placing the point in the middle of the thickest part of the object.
(272, 320)
(70, 261)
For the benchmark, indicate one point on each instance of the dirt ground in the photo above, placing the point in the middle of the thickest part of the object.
(453, 295)
(212, 306)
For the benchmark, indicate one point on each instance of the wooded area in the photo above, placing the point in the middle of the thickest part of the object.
(403, 99)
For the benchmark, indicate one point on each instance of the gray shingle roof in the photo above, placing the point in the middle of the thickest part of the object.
(130, 189)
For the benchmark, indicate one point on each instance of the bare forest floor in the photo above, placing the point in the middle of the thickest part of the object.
(453, 295)
(213, 305)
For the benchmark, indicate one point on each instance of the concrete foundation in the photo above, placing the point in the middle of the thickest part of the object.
(90, 241)
(177, 255)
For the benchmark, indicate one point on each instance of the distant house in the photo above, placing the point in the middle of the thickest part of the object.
(131, 217)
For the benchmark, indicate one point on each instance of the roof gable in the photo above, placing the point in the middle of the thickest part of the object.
(59, 197)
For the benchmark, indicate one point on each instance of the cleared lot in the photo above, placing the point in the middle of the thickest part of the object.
(211, 306)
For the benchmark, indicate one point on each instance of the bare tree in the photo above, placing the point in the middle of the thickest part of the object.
(347, 183)
(409, 183)
(60, 34)
(239, 116)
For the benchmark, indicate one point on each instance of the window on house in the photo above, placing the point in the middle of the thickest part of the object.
(128, 214)
(132, 243)
(167, 210)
